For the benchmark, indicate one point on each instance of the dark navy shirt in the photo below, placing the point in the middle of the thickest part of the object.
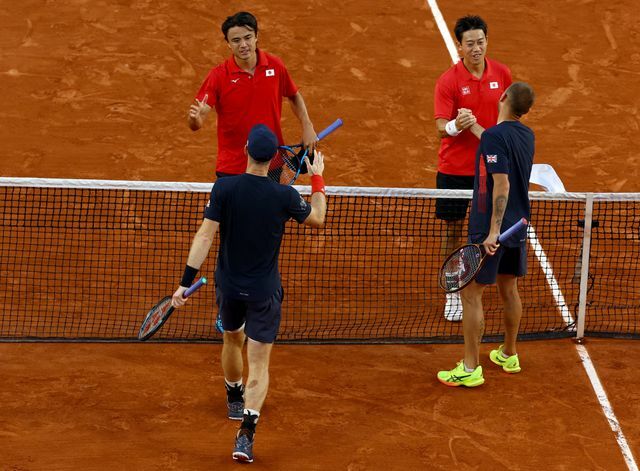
(252, 212)
(508, 148)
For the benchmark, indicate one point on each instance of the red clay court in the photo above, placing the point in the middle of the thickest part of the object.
(100, 90)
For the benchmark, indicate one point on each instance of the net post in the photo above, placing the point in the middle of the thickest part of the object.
(584, 271)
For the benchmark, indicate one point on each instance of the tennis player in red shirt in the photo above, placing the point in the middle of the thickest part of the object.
(466, 102)
(246, 89)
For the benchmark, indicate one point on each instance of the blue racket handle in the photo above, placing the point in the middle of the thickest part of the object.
(513, 229)
(329, 129)
(194, 287)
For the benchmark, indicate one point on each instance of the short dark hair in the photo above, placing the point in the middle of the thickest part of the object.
(521, 98)
(242, 18)
(467, 23)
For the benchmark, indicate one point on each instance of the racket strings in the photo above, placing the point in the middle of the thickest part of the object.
(460, 267)
(157, 315)
(283, 167)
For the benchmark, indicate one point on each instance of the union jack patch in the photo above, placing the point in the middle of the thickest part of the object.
(492, 159)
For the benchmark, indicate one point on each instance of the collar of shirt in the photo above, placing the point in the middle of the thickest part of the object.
(488, 70)
(262, 62)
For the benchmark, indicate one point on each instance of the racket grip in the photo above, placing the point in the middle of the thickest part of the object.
(195, 287)
(513, 229)
(329, 129)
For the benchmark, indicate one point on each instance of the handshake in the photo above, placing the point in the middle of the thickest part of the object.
(463, 121)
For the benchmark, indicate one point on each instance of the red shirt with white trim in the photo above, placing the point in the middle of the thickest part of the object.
(243, 100)
(458, 88)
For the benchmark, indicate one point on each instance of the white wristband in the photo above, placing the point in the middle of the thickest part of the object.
(451, 128)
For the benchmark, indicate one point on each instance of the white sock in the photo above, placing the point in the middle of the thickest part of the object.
(467, 369)
(233, 384)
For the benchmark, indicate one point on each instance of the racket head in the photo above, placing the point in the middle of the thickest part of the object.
(286, 165)
(460, 267)
(155, 318)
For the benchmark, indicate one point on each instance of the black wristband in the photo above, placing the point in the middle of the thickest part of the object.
(188, 276)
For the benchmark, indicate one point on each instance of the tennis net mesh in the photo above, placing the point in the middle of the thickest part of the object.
(86, 259)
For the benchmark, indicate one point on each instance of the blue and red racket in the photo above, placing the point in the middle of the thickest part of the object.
(463, 264)
(291, 161)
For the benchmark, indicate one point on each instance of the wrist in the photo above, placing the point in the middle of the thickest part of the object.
(451, 129)
(317, 184)
(188, 276)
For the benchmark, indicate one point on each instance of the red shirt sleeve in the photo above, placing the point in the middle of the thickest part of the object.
(287, 87)
(209, 88)
(444, 102)
(507, 77)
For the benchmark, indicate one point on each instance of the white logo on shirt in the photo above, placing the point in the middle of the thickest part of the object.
(270, 72)
(235, 80)
(466, 91)
(493, 85)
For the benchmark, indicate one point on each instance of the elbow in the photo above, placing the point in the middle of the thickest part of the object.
(315, 221)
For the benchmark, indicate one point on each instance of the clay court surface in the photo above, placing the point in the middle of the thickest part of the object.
(97, 89)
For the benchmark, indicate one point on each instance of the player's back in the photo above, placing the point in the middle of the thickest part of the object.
(252, 212)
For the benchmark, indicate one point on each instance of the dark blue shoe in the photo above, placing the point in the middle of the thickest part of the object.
(235, 410)
(235, 401)
(243, 451)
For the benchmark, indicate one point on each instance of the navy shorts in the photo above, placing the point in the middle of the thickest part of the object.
(261, 319)
(453, 209)
(506, 261)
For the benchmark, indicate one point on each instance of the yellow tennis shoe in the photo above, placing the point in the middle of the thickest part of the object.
(509, 364)
(460, 377)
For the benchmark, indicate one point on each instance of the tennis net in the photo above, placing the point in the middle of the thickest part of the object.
(84, 260)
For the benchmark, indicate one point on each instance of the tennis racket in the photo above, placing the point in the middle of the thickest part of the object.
(159, 313)
(291, 161)
(463, 264)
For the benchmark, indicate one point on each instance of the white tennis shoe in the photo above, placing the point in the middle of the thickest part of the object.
(453, 308)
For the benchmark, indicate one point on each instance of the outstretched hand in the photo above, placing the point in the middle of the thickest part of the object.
(317, 167)
(198, 109)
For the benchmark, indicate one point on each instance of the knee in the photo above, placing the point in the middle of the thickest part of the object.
(510, 296)
(471, 297)
(235, 338)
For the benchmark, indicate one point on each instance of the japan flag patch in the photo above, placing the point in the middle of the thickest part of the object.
(492, 159)
(270, 72)
(494, 85)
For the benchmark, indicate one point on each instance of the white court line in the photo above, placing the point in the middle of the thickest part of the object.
(614, 424)
(551, 280)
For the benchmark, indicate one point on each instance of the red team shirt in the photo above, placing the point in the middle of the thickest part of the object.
(458, 88)
(242, 100)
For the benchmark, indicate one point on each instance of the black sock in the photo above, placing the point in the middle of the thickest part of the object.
(234, 393)
(249, 422)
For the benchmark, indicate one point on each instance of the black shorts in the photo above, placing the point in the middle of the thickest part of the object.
(453, 209)
(261, 319)
(506, 261)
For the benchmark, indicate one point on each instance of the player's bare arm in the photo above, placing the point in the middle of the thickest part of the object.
(198, 112)
(200, 247)
(299, 108)
(318, 212)
(500, 199)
